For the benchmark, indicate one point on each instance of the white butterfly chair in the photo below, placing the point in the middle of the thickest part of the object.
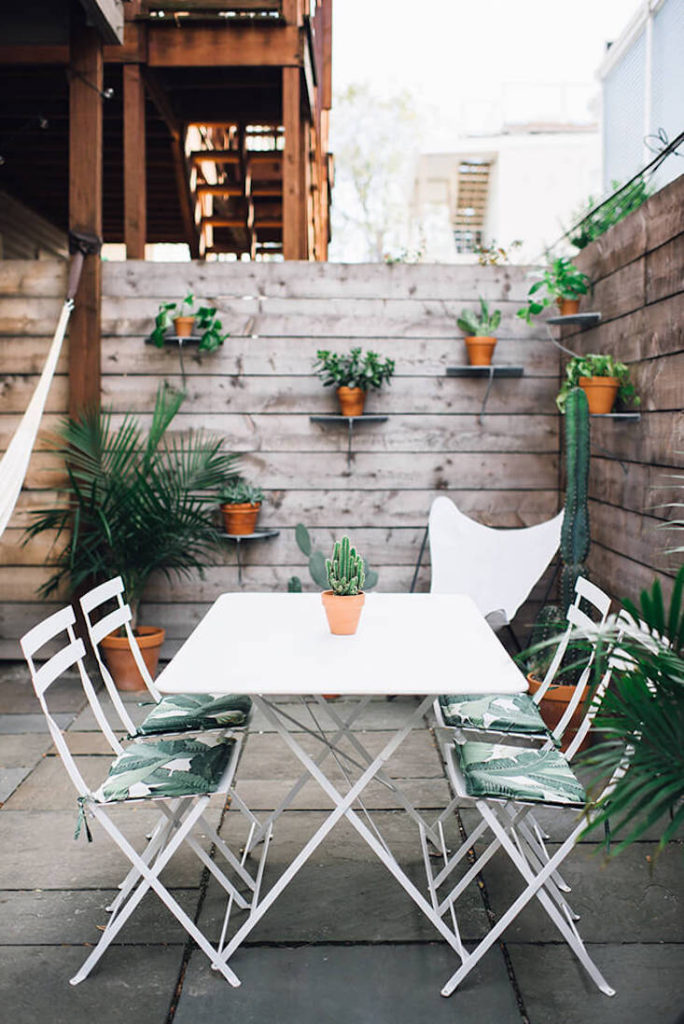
(176, 776)
(497, 568)
(505, 784)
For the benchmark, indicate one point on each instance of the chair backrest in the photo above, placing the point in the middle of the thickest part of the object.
(496, 567)
(70, 654)
(120, 617)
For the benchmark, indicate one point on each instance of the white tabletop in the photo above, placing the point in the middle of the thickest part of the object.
(281, 644)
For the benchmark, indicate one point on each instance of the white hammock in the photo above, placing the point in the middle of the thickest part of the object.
(15, 461)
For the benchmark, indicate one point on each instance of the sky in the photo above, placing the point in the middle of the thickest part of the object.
(469, 65)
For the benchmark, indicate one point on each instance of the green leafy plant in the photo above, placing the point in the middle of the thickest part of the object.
(238, 491)
(482, 324)
(317, 564)
(134, 505)
(560, 280)
(206, 321)
(594, 218)
(493, 255)
(593, 365)
(354, 369)
(345, 570)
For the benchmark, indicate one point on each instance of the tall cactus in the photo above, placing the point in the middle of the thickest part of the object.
(345, 569)
(575, 537)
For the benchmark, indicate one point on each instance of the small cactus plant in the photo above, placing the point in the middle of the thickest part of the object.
(317, 560)
(345, 570)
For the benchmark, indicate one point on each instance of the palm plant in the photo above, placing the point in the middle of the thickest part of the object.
(134, 505)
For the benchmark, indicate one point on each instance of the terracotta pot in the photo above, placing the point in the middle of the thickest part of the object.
(553, 706)
(120, 661)
(568, 307)
(183, 326)
(240, 519)
(343, 612)
(480, 350)
(352, 401)
(601, 393)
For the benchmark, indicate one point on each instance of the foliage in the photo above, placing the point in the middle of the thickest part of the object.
(575, 536)
(238, 491)
(592, 223)
(317, 564)
(352, 369)
(560, 280)
(207, 323)
(592, 365)
(480, 325)
(345, 570)
(135, 505)
(675, 524)
(641, 724)
(494, 255)
(545, 633)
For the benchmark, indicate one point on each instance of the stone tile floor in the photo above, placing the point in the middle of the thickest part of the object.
(343, 944)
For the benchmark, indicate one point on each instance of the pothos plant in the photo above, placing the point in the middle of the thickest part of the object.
(592, 365)
(560, 280)
(208, 325)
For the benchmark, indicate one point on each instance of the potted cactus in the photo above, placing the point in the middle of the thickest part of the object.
(344, 601)
(240, 505)
(479, 331)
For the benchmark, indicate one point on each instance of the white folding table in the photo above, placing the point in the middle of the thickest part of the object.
(267, 645)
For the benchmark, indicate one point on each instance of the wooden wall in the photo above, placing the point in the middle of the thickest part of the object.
(259, 392)
(638, 272)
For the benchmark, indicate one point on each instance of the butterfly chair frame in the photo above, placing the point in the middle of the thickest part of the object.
(506, 820)
(179, 813)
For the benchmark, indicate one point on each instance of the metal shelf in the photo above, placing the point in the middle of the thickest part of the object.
(631, 417)
(488, 372)
(238, 539)
(176, 339)
(350, 421)
(581, 319)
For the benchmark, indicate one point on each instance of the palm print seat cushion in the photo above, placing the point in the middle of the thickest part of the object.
(517, 773)
(500, 711)
(167, 768)
(185, 712)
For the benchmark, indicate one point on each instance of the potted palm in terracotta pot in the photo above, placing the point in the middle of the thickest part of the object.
(344, 601)
(479, 330)
(352, 374)
(240, 506)
(134, 505)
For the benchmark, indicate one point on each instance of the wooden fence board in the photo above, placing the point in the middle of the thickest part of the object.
(665, 270)
(654, 330)
(618, 293)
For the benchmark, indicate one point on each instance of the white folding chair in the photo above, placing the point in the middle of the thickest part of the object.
(177, 776)
(517, 717)
(505, 784)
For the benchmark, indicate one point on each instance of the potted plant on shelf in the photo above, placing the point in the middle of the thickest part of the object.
(240, 505)
(563, 284)
(134, 505)
(187, 313)
(603, 379)
(479, 331)
(344, 601)
(352, 374)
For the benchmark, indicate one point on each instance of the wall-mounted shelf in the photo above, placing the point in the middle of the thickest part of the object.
(630, 417)
(488, 372)
(581, 319)
(350, 421)
(238, 538)
(177, 339)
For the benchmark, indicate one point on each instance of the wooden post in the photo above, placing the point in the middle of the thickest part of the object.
(135, 190)
(85, 210)
(294, 197)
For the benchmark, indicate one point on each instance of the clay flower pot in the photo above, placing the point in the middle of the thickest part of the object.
(553, 706)
(120, 661)
(601, 393)
(352, 401)
(240, 519)
(480, 350)
(343, 612)
(568, 307)
(183, 326)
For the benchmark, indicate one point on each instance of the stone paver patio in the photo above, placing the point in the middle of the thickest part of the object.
(343, 944)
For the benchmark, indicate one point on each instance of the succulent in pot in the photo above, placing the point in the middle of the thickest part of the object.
(479, 330)
(602, 378)
(353, 374)
(240, 505)
(346, 576)
(562, 283)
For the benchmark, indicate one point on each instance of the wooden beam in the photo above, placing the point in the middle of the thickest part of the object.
(135, 168)
(294, 240)
(85, 211)
(234, 44)
(107, 16)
